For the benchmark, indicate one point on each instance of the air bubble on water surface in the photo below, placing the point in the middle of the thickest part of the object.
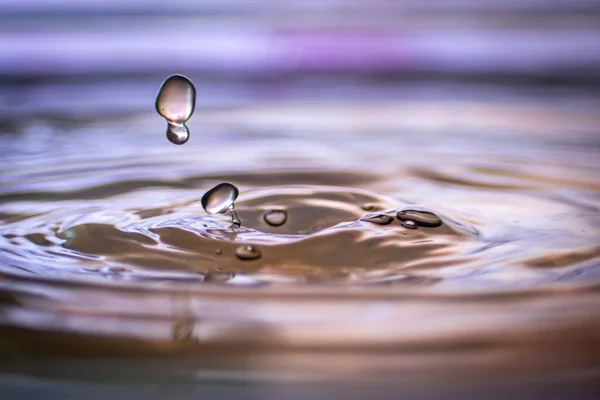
(370, 207)
(247, 252)
(421, 218)
(275, 217)
(379, 219)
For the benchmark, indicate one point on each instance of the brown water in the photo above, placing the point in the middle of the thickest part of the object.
(105, 248)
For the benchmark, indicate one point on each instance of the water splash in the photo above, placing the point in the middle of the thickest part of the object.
(220, 199)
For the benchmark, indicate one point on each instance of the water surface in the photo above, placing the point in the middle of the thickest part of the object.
(106, 250)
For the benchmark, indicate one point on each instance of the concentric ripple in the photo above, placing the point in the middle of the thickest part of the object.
(364, 226)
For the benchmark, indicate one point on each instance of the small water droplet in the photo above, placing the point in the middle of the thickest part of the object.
(175, 102)
(247, 252)
(219, 252)
(220, 198)
(421, 218)
(409, 224)
(275, 217)
(380, 219)
(177, 133)
(218, 276)
(370, 207)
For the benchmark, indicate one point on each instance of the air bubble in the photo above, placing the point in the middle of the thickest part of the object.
(247, 252)
(275, 217)
(379, 219)
(421, 218)
(370, 207)
(175, 102)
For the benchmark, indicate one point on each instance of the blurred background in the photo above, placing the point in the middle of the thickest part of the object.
(539, 39)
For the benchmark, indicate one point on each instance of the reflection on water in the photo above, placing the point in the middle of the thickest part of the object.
(387, 226)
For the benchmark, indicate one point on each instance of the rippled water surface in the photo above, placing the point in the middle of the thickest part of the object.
(102, 234)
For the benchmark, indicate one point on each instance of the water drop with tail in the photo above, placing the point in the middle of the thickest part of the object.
(220, 199)
(176, 101)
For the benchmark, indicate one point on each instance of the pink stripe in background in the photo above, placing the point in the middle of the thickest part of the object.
(145, 51)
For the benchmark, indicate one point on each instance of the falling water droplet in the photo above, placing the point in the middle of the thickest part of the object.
(275, 217)
(176, 99)
(380, 219)
(177, 133)
(247, 252)
(175, 102)
(421, 218)
(409, 224)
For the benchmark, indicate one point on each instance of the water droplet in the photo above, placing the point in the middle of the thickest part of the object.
(219, 252)
(421, 218)
(176, 99)
(370, 207)
(178, 133)
(247, 252)
(220, 198)
(380, 219)
(218, 276)
(175, 102)
(275, 217)
(409, 224)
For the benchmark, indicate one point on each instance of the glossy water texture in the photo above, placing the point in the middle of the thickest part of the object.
(432, 230)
